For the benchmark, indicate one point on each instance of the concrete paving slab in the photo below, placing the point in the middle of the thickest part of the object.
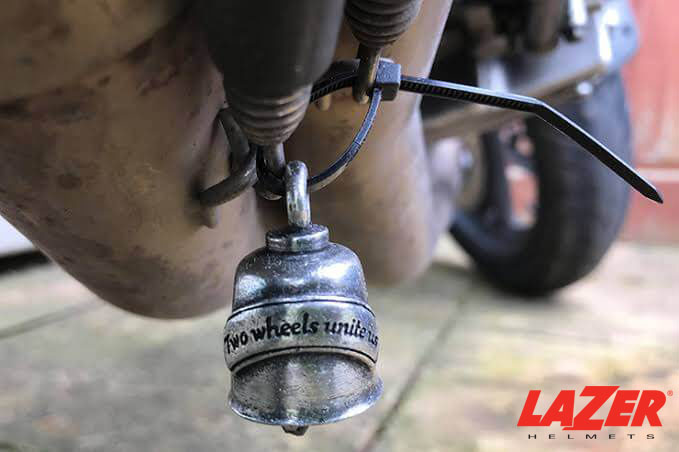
(37, 292)
(618, 327)
(458, 359)
(109, 380)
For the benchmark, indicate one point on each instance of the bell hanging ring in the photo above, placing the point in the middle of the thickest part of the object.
(301, 342)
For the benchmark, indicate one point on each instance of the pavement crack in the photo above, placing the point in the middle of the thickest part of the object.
(427, 357)
(47, 319)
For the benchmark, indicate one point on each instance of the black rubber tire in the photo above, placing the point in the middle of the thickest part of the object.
(581, 204)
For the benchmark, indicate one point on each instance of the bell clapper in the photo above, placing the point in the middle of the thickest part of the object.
(297, 430)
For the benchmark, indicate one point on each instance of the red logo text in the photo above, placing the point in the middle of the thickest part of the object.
(629, 409)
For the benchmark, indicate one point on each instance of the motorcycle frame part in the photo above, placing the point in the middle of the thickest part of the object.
(278, 46)
(609, 40)
(367, 72)
(281, 49)
(392, 174)
(103, 174)
(577, 19)
(544, 24)
(376, 24)
(45, 45)
(343, 74)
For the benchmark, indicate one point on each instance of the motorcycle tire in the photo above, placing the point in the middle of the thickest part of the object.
(581, 204)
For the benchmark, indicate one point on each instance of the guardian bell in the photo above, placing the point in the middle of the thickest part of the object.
(301, 342)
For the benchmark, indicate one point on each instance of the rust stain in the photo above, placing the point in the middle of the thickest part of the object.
(140, 53)
(104, 81)
(24, 149)
(175, 54)
(15, 109)
(60, 31)
(43, 22)
(62, 105)
(159, 80)
(69, 181)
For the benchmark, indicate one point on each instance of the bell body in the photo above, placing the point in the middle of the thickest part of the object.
(301, 342)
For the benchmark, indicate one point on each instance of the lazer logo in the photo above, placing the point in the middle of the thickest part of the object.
(634, 406)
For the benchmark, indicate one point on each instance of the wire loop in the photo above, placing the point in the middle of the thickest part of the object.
(276, 185)
(243, 165)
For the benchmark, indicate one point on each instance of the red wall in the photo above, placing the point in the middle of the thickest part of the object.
(653, 88)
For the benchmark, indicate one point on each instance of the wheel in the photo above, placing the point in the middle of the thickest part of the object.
(578, 207)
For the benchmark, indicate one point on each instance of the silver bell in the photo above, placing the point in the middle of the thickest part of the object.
(301, 342)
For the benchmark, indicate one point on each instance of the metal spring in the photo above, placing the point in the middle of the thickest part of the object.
(269, 121)
(377, 23)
